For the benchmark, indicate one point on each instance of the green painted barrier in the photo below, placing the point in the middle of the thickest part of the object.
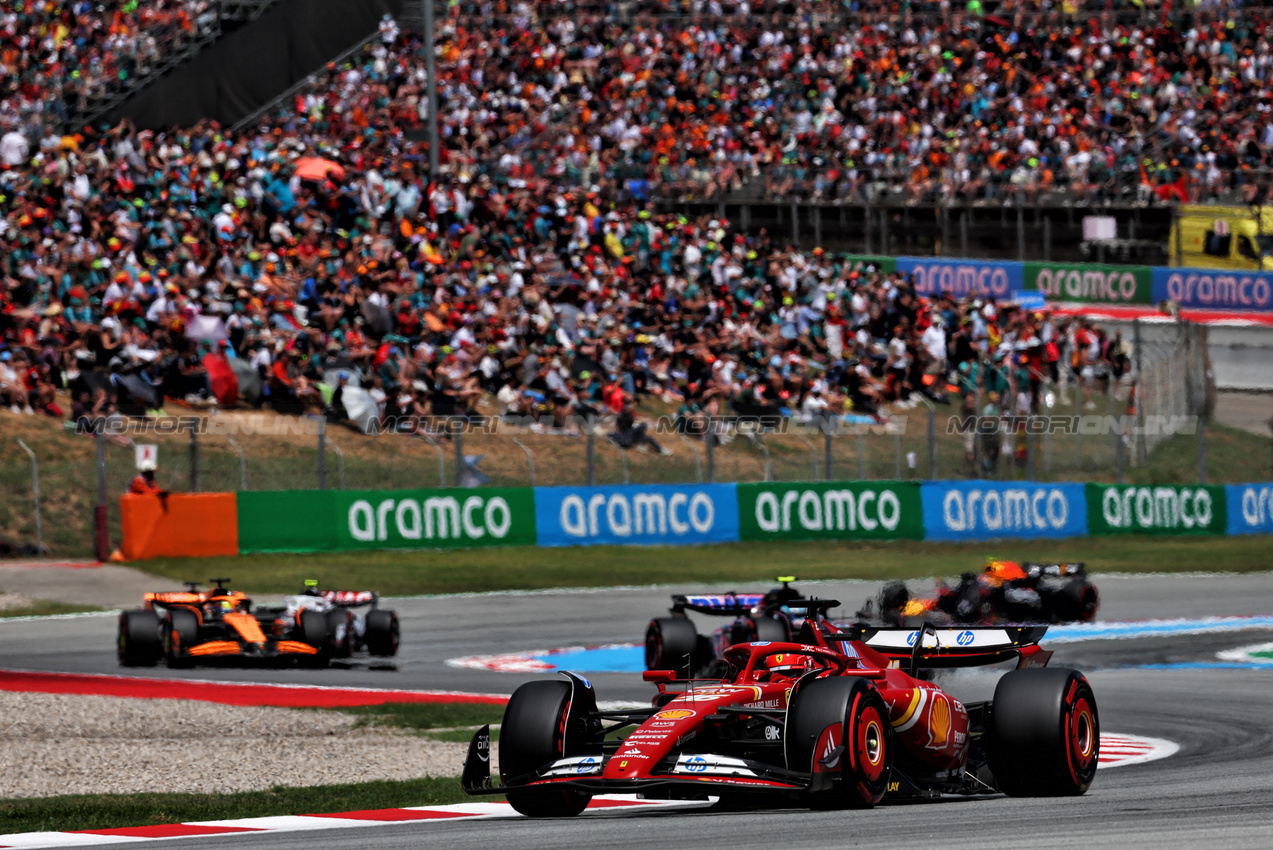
(286, 521)
(1156, 509)
(1091, 283)
(885, 265)
(837, 510)
(326, 520)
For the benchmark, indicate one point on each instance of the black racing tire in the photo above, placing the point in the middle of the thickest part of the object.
(771, 629)
(181, 631)
(383, 634)
(1089, 602)
(340, 633)
(313, 628)
(892, 601)
(866, 761)
(1044, 733)
(531, 736)
(668, 640)
(138, 643)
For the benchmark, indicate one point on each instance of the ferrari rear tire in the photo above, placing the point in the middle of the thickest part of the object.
(532, 735)
(313, 628)
(138, 643)
(671, 643)
(383, 633)
(1044, 733)
(181, 632)
(864, 733)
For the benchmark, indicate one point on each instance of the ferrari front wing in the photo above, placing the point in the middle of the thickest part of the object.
(693, 773)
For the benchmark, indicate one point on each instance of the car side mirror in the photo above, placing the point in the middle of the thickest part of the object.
(660, 677)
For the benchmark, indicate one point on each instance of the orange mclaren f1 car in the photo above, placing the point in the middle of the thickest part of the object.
(186, 627)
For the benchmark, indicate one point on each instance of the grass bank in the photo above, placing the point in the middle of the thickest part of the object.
(525, 568)
(45, 608)
(109, 811)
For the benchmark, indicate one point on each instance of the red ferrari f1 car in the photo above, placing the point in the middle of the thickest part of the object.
(839, 719)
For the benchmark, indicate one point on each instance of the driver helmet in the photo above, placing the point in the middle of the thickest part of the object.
(787, 664)
(311, 587)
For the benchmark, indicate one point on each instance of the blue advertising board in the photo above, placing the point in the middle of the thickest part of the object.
(1250, 508)
(990, 510)
(649, 514)
(961, 277)
(1217, 289)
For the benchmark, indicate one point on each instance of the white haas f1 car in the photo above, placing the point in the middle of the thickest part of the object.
(838, 719)
(376, 632)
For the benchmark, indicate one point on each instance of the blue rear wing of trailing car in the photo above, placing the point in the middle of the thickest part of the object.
(955, 647)
(723, 604)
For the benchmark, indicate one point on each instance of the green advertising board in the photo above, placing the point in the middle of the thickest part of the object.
(298, 521)
(885, 265)
(286, 521)
(1155, 509)
(1090, 284)
(835, 510)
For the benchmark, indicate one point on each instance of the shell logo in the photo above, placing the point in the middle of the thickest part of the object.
(674, 714)
(939, 721)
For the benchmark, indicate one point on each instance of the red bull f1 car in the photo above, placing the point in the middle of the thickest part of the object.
(1003, 592)
(187, 627)
(835, 720)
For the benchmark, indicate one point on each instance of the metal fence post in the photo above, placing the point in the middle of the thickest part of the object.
(194, 461)
(710, 437)
(1021, 234)
(322, 452)
(530, 460)
(101, 537)
(897, 454)
(861, 453)
(592, 454)
(457, 437)
(340, 465)
(1139, 388)
(1202, 450)
(243, 463)
(1029, 451)
(932, 443)
(35, 495)
(698, 466)
(827, 461)
(769, 467)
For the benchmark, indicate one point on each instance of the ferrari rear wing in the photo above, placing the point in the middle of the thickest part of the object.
(970, 646)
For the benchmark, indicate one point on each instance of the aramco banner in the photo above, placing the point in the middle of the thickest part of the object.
(836, 510)
(989, 510)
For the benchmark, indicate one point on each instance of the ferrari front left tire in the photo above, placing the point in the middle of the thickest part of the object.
(533, 735)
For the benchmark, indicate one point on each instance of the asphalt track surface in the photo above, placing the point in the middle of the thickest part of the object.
(1215, 792)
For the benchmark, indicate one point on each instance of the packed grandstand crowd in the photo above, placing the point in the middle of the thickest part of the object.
(537, 276)
(56, 55)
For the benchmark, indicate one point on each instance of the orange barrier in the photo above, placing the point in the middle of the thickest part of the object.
(180, 526)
